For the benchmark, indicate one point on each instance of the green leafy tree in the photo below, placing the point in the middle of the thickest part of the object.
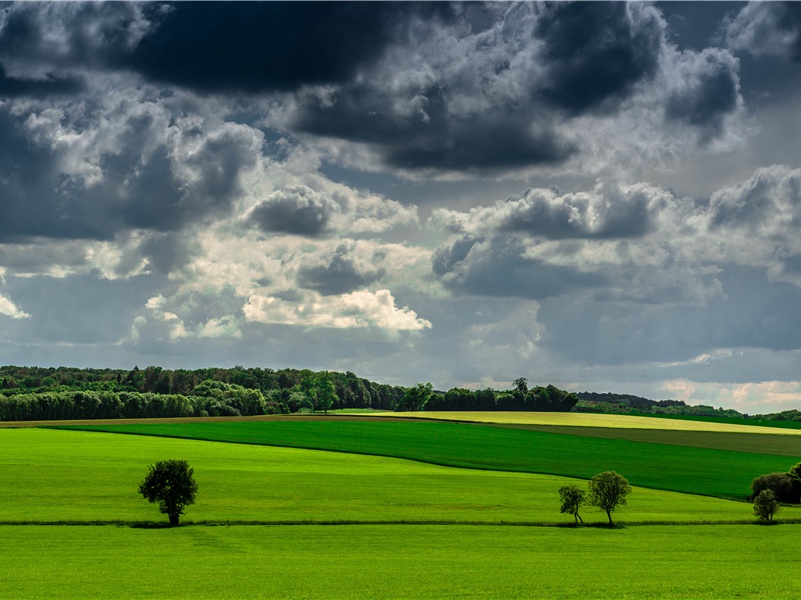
(325, 391)
(172, 484)
(608, 490)
(783, 485)
(415, 398)
(572, 498)
(765, 506)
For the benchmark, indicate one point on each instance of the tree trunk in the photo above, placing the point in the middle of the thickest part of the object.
(609, 514)
(174, 519)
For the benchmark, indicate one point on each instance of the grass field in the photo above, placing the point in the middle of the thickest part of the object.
(715, 472)
(388, 561)
(56, 476)
(567, 419)
(278, 522)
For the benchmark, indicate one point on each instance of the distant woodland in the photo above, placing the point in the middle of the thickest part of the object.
(40, 393)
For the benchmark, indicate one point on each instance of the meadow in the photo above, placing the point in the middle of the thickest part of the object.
(274, 521)
(392, 561)
(725, 471)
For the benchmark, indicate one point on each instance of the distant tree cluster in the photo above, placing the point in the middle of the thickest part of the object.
(519, 398)
(593, 402)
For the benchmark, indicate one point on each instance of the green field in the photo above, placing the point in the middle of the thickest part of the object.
(389, 561)
(42, 469)
(273, 521)
(715, 472)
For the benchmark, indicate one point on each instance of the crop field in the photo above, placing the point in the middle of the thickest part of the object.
(723, 471)
(275, 521)
(569, 419)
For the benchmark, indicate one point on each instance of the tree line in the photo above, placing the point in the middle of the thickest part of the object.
(35, 393)
(594, 402)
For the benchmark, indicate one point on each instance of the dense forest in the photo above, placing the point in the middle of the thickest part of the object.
(36, 393)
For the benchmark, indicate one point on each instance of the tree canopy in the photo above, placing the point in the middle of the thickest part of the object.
(608, 490)
(171, 483)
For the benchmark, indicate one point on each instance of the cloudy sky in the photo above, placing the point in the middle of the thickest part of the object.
(603, 196)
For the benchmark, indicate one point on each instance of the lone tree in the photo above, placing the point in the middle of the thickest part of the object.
(171, 483)
(608, 490)
(572, 498)
(765, 506)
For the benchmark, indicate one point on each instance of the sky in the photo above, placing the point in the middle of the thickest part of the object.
(604, 196)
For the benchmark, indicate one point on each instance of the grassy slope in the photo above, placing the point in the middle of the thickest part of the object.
(58, 476)
(401, 562)
(686, 469)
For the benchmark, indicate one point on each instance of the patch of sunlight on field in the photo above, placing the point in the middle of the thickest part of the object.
(585, 420)
(81, 476)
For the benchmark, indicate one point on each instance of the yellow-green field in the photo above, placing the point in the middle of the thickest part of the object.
(564, 419)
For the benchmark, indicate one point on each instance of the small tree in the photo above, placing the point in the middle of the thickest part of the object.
(608, 490)
(572, 498)
(171, 483)
(765, 506)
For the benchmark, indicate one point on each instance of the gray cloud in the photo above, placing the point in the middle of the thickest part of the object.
(11, 87)
(767, 29)
(40, 38)
(708, 93)
(769, 202)
(295, 209)
(167, 252)
(503, 97)
(498, 266)
(608, 212)
(71, 172)
(339, 273)
(595, 52)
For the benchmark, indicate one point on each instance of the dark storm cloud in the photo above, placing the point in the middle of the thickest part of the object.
(505, 97)
(37, 38)
(596, 51)
(341, 273)
(267, 46)
(295, 209)
(498, 266)
(29, 190)
(143, 180)
(11, 87)
(709, 94)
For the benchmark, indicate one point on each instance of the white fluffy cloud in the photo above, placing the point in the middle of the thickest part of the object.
(9, 309)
